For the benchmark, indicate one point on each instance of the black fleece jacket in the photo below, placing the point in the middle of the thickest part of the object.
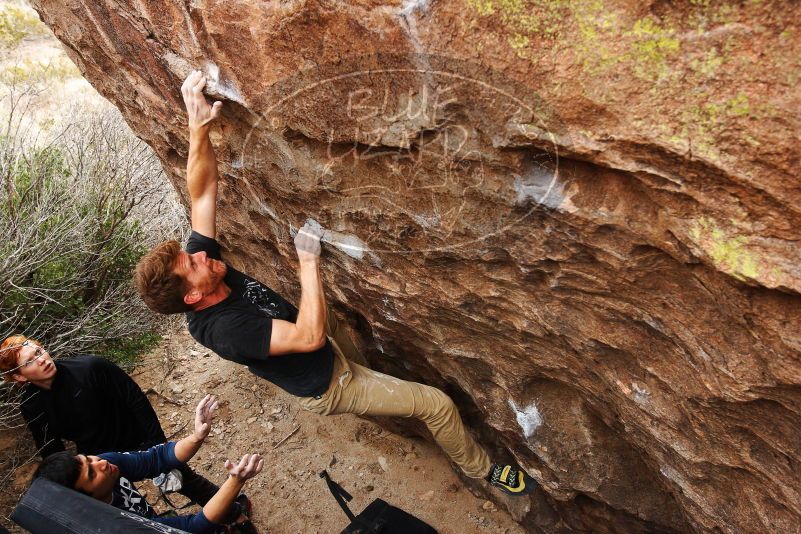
(93, 403)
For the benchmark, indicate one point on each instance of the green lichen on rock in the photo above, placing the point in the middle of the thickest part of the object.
(483, 7)
(675, 59)
(708, 65)
(700, 125)
(599, 32)
(738, 106)
(728, 252)
(704, 122)
(600, 37)
(651, 47)
(518, 42)
(524, 18)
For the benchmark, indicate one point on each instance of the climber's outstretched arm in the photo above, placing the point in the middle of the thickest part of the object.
(201, 166)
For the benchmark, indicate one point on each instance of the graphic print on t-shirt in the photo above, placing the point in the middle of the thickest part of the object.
(260, 297)
(128, 498)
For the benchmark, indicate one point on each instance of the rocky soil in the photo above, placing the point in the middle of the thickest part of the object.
(580, 218)
(289, 496)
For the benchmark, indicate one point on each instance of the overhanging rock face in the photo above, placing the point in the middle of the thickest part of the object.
(580, 218)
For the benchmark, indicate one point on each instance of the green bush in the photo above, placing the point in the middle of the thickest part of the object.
(36, 71)
(86, 249)
(73, 215)
(16, 23)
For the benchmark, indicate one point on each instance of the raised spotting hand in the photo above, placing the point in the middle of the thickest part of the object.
(204, 413)
(248, 467)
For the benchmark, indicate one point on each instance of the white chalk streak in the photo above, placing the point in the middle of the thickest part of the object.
(528, 418)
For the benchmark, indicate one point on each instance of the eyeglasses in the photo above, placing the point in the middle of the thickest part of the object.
(38, 354)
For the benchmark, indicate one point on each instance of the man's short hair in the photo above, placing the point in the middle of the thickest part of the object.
(162, 290)
(60, 467)
(9, 354)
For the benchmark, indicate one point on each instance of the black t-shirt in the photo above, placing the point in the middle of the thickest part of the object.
(239, 329)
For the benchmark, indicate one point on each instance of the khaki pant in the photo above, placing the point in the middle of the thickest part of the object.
(356, 389)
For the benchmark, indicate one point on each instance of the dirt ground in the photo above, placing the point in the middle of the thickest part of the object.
(289, 496)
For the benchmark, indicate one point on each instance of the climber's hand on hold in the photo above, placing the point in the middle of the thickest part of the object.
(307, 244)
(198, 109)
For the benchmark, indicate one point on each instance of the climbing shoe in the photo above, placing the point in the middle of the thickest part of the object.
(511, 479)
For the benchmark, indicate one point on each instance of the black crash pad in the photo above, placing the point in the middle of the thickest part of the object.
(51, 508)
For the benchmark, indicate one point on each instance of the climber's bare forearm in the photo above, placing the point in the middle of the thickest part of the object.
(201, 181)
(307, 333)
(312, 310)
(201, 164)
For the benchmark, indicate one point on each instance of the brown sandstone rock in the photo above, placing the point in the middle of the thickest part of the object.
(580, 218)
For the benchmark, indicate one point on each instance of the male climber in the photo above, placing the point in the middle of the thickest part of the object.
(244, 321)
